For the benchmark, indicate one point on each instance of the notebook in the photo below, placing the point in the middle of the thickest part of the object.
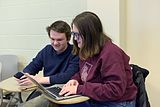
(52, 92)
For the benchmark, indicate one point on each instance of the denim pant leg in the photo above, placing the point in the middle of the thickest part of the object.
(39, 101)
(113, 104)
(83, 104)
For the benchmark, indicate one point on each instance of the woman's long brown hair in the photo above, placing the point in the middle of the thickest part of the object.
(91, 31)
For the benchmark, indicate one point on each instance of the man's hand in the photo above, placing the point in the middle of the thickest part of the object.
(23, 81)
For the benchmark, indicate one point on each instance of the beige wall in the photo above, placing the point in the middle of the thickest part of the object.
(113, 16)
(108, 11)
(143, 36)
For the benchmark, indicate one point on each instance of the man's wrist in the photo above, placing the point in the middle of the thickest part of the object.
(45, 80)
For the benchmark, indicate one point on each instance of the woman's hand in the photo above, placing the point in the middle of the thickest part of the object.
(72, 83)
(69, 88)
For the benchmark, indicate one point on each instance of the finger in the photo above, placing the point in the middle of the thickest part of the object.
(24, 83)
(17, 79)
(70, 84)
(68, 93)
(67, 84)
(63, 91)
(23, 77)
(64, 86)
(27, 74)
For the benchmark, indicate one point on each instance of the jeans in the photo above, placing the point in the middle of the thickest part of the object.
(113, 104)
(34, 94)
(83, 104)
(39, 101)
(102, 104)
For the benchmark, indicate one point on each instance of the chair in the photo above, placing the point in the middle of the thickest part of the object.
(139, 75)
(9, 66)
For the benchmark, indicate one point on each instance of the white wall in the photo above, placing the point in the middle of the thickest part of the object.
(23, 24)
(143, 36)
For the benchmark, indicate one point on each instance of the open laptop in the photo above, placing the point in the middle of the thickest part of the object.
(52, 92)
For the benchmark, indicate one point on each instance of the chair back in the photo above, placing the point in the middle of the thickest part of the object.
(9, 66)
(139, 76)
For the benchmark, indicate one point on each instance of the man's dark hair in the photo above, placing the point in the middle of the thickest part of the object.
(60, 27)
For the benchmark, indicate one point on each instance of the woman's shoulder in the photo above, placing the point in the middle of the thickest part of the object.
(111, 47)
(113, 52)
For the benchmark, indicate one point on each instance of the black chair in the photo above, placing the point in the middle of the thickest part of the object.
(139, 75)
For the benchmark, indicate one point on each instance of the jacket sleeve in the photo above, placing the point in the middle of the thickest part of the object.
(35, 65)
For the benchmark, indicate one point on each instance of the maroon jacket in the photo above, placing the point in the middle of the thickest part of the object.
(107, 76)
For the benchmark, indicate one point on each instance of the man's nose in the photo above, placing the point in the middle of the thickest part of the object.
(55, 42)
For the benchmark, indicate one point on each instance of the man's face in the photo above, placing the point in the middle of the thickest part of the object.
(58, 41)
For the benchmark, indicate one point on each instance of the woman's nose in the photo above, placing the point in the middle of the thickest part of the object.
(75, 38)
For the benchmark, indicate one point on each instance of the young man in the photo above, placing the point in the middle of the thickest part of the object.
(56, 60)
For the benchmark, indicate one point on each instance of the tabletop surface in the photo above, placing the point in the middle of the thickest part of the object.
(73, 100)
(68, 101)
(11, 85)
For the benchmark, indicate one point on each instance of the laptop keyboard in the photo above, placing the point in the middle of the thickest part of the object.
(55, 91)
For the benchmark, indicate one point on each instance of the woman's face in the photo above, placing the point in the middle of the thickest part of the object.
(76, 36)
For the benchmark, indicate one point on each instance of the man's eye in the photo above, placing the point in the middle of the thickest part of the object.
(59, 39)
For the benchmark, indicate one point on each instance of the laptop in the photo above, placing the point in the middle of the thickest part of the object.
(53, 91)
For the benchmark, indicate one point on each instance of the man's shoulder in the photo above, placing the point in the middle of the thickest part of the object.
(70, 45)
(70, 51)
(48, 46)
(69, 48)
